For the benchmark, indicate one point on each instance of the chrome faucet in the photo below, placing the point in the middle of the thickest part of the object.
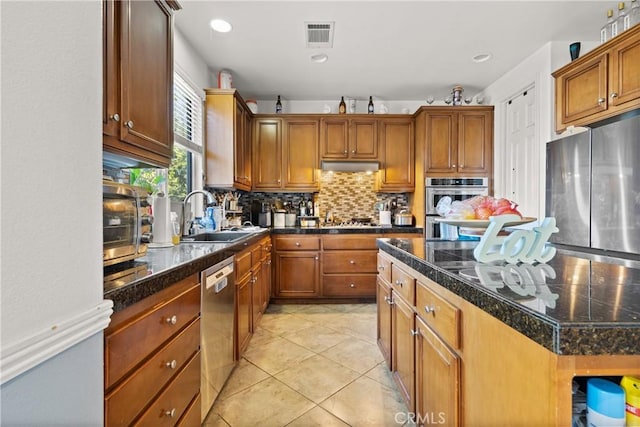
(185, 223)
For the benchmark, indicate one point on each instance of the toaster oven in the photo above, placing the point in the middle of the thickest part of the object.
(126, 222)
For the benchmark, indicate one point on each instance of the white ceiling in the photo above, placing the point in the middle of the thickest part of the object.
(392, 50)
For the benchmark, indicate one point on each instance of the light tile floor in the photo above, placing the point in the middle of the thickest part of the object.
(311, 365)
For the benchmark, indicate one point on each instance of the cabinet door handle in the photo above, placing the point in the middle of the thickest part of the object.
(171, 413)
(352, 285)
(453, 166)
(613, 95)
(381, 267)
(172, 320)
(129, 124)
(389, 300)
(414, 332)
(399, 283)
(172, 364)
(115, 117)
(317, 258)
(353, 151)
(297, 243)
(346, 152)
(352, 262)
(601, 100)
(429, 309)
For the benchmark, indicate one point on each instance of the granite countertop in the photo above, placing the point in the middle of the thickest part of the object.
(576, 304)
(128, 283)
(347, 230)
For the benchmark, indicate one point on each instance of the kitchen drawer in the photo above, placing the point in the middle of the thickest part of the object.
(167, 409)
(191, 416)
(403, 284)
(349, 262)
(297, 244)
(242, 264)
(441, 315)
(384, 268)
(256, 254)
(341, 243)
(139, 335)
(349, 285)
(266, 248)
(126, 401)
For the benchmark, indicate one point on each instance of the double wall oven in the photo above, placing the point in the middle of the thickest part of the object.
(456, 188)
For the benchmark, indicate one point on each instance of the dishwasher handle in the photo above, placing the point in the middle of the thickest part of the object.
(218, 279)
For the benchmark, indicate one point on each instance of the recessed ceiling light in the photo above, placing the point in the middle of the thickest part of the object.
(220, 25)
(319, 58)
(482, 57)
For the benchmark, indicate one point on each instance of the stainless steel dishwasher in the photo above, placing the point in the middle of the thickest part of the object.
(216, 330)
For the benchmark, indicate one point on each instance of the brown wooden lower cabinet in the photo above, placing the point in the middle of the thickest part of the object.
(403, 350)
(437, 379)
(152, 358)
(383, 300)
(340, 267)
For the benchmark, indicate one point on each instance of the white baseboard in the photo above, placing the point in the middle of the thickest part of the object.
(23, 355)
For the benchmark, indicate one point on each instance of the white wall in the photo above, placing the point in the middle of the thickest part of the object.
(52, 309)
(189, 64)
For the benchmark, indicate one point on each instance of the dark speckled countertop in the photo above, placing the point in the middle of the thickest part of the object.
(128, 283)
(576, 304)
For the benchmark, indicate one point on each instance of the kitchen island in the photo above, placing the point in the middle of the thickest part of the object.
(503, 343)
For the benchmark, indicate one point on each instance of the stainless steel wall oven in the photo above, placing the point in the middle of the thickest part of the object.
(456, 188)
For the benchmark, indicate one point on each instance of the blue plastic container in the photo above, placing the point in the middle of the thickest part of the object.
(605, 403)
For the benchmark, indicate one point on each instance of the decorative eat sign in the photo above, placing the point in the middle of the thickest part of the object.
(527, 246)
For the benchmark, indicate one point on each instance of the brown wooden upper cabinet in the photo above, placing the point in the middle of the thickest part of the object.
(397, 159)
(285, 154)
(601, 84)
(228, 140)
(348, 138)
(458, 141)
(138, 81)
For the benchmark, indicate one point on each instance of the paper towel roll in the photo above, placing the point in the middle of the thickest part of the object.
(385, 217)
(161, 222)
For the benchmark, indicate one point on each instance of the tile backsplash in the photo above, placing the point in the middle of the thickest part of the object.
(347, 194)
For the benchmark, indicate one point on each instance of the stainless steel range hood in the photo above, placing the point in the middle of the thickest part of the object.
(349, 166)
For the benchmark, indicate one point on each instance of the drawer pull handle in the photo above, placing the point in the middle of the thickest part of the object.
(129, 124)
(172, 320)
(414, 332)
(399, 283)
(381, 267)
(429, 309)
(352, 262)
(389, 300)
(115, 117)
(297, 243)
(171, 413)
(601, 100)
(352, 285)
(172, 364)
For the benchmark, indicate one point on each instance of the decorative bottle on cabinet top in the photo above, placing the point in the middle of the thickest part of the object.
(278, 106)
(342, 108)
(370, 107)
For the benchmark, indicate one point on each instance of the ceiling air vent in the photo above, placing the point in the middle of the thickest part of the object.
(319, 34)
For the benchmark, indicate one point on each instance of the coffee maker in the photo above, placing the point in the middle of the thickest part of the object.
(261, 213)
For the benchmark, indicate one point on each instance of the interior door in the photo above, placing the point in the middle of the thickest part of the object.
(522, 155)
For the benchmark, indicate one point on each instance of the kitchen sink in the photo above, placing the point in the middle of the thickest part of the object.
(220, 236)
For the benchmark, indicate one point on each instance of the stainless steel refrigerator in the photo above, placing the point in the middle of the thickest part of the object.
(593, 187)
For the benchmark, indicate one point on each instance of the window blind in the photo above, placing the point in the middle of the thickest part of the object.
(187, 115)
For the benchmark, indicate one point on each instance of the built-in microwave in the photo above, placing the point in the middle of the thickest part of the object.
(126, 222)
